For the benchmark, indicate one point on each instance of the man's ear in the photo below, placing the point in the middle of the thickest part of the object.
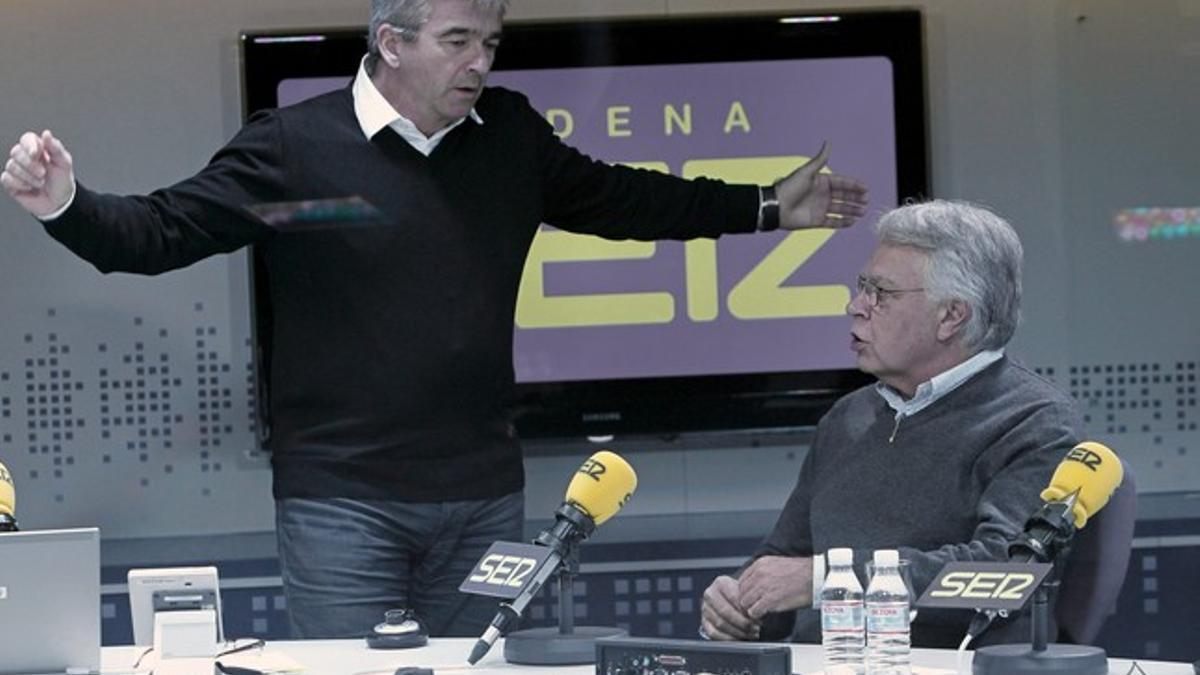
(952, 319)
(388, 40)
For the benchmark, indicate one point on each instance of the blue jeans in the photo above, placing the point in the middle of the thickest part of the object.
(345, 562)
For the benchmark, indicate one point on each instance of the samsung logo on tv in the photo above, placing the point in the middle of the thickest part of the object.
(613, 416)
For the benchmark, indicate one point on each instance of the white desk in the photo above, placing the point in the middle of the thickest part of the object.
(352, 657)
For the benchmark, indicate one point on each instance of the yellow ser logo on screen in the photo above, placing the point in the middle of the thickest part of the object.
(759, 295)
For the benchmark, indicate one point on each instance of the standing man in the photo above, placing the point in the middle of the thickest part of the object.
(943, 458)
(395, 465)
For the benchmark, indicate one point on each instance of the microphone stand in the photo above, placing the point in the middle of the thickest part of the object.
(566, 644)
(1053, 530)
(1040, 656)
(566, 592)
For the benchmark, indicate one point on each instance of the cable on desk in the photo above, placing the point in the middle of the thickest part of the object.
(960, 666)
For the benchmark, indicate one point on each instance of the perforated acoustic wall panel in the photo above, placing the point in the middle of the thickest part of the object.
(138, 425)
(1146, 411)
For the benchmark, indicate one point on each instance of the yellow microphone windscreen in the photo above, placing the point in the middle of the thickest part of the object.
(8, 496)
(602, 485)
(1091, 469)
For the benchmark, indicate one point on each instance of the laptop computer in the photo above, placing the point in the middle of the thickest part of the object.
(50, 601)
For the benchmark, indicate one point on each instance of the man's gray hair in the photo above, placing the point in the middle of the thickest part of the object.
(974, 256)
(409, 16)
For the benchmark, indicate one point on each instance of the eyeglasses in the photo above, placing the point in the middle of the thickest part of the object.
(877, 294)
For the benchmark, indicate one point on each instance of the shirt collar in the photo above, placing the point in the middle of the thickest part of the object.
(939, 385)
(374, 112)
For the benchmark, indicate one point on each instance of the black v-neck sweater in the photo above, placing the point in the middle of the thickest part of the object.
(391, 338)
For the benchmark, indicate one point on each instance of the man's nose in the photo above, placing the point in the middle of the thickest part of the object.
(481, 59)
(858, 304)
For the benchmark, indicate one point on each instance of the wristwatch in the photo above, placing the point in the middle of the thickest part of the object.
(768, 209)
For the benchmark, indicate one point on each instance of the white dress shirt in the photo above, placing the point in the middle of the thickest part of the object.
(374, 113)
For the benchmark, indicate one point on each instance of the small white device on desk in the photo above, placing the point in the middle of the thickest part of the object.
(177, 610)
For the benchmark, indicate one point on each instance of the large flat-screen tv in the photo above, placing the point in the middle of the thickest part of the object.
(745, 332)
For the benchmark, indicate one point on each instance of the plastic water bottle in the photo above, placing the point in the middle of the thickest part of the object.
(842, 626)
(888, 637)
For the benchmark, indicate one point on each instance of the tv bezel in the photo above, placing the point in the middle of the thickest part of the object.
(655, 405)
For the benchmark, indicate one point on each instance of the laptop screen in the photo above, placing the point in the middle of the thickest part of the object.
(50, 601)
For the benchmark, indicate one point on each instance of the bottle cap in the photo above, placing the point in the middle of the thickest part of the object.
(840, 556)
(887, 557)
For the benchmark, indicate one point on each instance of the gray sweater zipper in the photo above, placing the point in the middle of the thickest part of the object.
(896, 427)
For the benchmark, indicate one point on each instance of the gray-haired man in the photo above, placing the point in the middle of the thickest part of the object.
(943, 458)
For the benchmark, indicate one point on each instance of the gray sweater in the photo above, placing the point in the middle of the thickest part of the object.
(955, 483)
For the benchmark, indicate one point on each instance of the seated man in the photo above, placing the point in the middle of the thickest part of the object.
(943, 458)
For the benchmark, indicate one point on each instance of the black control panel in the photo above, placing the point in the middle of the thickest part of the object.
(656, 656)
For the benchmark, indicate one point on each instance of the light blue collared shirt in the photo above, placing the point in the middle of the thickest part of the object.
(937, 387)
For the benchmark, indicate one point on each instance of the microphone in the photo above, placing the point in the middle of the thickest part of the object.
(596, 492)
(8, 501)
(1093, 471)
(1081, 485)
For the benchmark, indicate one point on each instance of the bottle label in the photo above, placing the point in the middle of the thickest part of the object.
(887, 617)
(841, 615)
